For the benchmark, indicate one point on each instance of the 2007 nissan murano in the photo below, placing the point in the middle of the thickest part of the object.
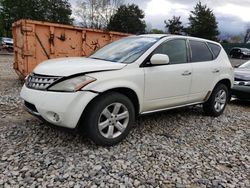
(135, 75)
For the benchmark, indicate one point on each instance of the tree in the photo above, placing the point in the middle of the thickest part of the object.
(156, 31)
(44, 10)
(58, 11)
(128, 19)
(174, 25)
(202, 23)
(247, 34)
(96, 13)
(235, 39)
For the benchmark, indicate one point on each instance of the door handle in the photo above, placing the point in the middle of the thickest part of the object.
(186, 73)
(215, 71)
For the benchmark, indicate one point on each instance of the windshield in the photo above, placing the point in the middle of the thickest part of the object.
(125, 50)
(245, 50)
(245, 65)
(7, 39)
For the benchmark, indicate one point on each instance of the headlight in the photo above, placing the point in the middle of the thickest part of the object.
(72, 84)
(244, 53)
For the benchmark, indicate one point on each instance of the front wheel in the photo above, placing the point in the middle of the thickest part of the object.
(217, 102)
(109, 118)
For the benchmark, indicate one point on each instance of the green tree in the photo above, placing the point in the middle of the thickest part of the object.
(58, 11)
(174, 25)
(156, 31)
(128, 19)
(202, 23)
(236, 39)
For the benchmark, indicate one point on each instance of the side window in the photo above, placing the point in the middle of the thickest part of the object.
(215, 49)
(175, 49)
(200, 51)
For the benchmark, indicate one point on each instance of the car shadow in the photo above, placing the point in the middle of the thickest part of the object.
(242, 103)
(143, 123)
(165, 121)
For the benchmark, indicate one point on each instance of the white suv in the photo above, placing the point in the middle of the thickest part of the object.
(135, 75)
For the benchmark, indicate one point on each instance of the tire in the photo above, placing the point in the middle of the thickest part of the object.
(241, 56)
(109, 118)
(217, 102)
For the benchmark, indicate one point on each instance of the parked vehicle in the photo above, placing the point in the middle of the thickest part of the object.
(6, 43)
(132, 76)
(241, 89)
(239, 52)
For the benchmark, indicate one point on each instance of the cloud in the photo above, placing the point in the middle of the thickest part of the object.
(162, 7)
(243, 13)
(232, 15)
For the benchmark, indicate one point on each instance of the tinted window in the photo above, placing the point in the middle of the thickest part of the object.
(235, 50)
(175, 49)
(215, 49)
(200, 51)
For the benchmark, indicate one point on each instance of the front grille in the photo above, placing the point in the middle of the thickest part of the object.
(40, 82)
(9, 44)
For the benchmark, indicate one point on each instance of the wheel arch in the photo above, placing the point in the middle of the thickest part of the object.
(131, 94)
(226, 82)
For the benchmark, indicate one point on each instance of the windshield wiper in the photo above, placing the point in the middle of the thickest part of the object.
(96, 58)
(104, 59)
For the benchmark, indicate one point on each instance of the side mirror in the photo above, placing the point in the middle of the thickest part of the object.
(159, 59)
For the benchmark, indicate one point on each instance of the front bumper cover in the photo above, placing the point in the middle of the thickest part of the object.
(241, 92)
(59, 108)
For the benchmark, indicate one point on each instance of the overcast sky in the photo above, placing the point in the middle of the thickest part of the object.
(232, 15)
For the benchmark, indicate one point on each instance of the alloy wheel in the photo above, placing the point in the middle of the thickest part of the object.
(113, 120)
(220, 100)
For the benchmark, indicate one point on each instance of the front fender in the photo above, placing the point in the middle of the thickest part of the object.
(132, 79)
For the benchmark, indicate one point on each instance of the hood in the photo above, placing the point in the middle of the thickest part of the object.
(242, 74)
(74, 65)
(7, 41)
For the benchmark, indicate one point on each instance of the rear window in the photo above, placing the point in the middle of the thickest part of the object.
(215, 49)
(200, 51)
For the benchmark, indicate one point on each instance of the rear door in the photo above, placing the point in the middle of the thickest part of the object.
(205, 70)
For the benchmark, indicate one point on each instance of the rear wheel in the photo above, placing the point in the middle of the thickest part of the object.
(109, 118)
(217, 102)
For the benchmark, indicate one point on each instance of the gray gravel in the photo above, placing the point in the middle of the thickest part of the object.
(178, 148)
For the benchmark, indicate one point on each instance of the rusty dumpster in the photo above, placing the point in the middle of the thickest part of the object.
(36, 41)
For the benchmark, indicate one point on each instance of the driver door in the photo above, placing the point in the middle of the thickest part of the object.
(168, 85)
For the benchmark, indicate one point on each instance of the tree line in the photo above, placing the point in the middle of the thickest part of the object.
(58, 11)
(112, 15)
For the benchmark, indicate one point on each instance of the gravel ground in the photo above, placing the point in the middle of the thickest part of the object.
(178, 148)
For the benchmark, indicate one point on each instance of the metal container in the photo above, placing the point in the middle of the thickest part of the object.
(36, 41)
